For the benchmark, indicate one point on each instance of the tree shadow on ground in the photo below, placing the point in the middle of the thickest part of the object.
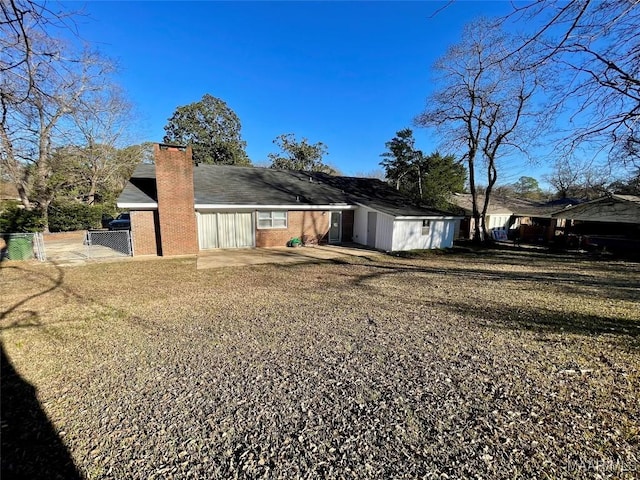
(31, 447)
(56, 282)
(517, 256)
(539, 318)
(545, 320)
(570, 282)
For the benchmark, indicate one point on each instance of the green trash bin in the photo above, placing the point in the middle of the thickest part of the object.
(20, 248)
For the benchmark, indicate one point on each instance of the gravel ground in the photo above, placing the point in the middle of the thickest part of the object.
(495, 365)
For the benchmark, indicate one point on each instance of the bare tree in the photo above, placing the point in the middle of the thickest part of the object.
(482, 106)
(594, 46)
(47, 91)
(21, 22)
(580, 179)
(101, 121)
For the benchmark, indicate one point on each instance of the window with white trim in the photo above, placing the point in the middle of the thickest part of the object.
(426, 225)
(273, 219)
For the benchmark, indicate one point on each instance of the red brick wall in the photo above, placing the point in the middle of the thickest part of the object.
(143, 232)
(310, 223)
(176, 214)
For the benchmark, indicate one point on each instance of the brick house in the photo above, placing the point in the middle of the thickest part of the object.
(178, 208)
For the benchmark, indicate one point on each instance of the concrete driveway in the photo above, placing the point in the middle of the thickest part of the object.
(68, 249)
(255, 256)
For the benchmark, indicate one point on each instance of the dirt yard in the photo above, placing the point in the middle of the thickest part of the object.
(494, 365)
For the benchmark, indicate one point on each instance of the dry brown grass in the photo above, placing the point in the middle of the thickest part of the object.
(494, 365)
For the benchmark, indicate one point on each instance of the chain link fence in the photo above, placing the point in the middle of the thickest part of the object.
(22, 246)
(96, 245)
(119, 241)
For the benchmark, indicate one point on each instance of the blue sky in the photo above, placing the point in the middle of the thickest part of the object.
(349, 74)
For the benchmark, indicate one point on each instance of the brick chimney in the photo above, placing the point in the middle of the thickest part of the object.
(176, 213)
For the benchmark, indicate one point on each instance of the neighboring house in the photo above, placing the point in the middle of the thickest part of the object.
(498, 215)
(521, 218)
(178, 208)
(8, 191)
(535, 222)
(612, 221)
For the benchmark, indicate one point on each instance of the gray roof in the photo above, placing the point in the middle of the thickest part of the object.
(627, 198)
(378, 195)
(609, 208)
(141, 187)
(506, 205)
(464, 201)
(231, 185)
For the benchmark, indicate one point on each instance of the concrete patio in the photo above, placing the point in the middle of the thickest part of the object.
(68, 249)
(280, 255)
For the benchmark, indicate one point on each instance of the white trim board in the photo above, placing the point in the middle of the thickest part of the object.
(206, 206)
(137, 206)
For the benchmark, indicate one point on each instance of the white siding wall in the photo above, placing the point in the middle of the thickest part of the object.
(384, 232)
(360, 225)
(407, 234)
(403, 234)
(384, 228)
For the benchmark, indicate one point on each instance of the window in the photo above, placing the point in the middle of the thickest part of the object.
(272, 219)
(426, 224)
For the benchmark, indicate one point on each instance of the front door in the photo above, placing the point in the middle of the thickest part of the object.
(371, 229)
(335, 228)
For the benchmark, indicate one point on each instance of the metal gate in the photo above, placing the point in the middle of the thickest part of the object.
(101, 243)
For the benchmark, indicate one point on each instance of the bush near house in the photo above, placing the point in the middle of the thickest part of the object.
(67, 217)
(63, 217)
(15, 219)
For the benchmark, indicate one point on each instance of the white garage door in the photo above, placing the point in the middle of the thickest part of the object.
(225, 230)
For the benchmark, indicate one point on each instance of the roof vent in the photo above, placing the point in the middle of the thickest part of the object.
(298, 198)
(311, 179)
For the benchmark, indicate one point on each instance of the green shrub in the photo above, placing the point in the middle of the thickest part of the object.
(66, 217)
(16, 219)
(109, 209)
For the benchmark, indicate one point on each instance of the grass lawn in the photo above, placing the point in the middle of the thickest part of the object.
(474, 365)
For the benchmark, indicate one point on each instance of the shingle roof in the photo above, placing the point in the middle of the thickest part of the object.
(231, 185)
(608, 208)
(464, 201)
(628, 198)
(505, 205)
(141, 187)
(377, 195)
